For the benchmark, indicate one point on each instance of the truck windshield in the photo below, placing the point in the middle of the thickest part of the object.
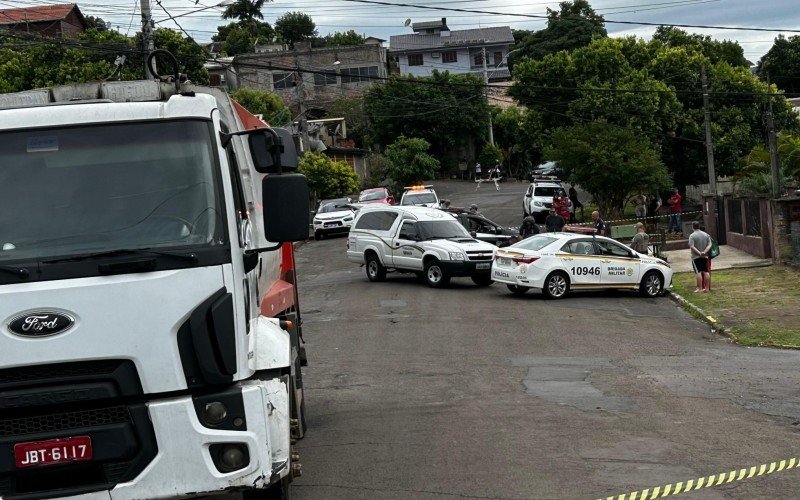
(434, 230)
(66, 191)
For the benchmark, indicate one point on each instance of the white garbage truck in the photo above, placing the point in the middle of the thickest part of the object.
(150, 341)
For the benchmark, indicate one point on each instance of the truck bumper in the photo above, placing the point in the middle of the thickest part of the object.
(465, 268)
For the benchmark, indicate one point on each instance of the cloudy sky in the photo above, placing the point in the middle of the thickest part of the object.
(383, 21)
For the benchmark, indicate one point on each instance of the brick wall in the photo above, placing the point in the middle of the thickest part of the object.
(786, 231)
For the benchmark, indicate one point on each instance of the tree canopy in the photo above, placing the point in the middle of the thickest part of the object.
(409, 161)
(244, 10)
(327, 178)
(265, 103)
(240, 37)
(782, 64)
(340, 38)
(295, 27)
(448, 111)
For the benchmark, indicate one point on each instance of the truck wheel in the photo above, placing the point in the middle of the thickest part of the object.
(556, 285)
(375, 270)
(435, 276)
(651, 284)
(482, 279)
(317, 235)
(518, 290)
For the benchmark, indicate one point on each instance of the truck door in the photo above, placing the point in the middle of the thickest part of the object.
(406, 252)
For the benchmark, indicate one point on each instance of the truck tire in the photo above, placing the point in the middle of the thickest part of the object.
(375, 270)
(435, 276)
(482, 279)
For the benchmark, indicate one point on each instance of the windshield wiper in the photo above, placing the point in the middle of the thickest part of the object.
(20, 272)
(125, 251)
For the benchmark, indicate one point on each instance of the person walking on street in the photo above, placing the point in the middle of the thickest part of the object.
(554, 222)
(478, 172)
(573, 197)
(674, 203)
(641, 240)
(599, 224)
(494, 174)
(700, 245)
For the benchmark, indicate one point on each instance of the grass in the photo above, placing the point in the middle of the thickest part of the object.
(759, 306)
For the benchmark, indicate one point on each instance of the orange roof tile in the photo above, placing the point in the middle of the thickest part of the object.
(55, 12)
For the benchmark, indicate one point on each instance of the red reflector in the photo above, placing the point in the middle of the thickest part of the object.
(525, 260)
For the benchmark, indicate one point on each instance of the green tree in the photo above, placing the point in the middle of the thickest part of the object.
(377, 170)
(352, 110)
(714, 50)
(190, 55)
(753, 175)
(490, 155)
(573, 25)
(244, 10)
(265, 103)
(341, 38)
(327, 178)
(448, 111)
(295, 27)
(611, 163)
(240, 37)
(409, 161)
(782, 64)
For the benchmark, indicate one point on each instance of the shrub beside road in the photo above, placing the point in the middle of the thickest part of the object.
(758, 306)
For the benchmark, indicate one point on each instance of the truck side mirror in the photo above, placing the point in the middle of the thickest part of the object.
(286, 213)
(272, 150)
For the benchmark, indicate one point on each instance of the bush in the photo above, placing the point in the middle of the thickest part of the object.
(409, 161)
(267, 104)
(490, 156)
(327, 178)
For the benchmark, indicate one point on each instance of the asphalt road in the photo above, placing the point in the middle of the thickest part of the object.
(465, 392)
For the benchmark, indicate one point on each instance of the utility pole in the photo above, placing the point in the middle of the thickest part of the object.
(301, 100)
(147, 37)
(486, 93)
(773, 147)
(712, 176)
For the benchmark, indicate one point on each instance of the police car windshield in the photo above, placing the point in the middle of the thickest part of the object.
(434, 230)
(534, 242)
(546, 190)
(418, 198)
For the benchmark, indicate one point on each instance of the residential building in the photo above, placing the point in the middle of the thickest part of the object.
(59, 20)
(326, 73)
(435, 46)
(220, 73)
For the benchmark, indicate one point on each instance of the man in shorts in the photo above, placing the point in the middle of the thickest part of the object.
(700, 245)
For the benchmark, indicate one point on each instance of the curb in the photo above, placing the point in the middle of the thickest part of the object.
(716, 327)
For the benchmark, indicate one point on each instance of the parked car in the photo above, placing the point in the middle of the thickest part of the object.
(420, 240)
(549, 168)
(376, 195)
(421, 196)
(538, 199)
(557, 263)
(333, 216)
(484, 229)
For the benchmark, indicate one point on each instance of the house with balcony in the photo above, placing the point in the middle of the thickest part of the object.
(435, 46)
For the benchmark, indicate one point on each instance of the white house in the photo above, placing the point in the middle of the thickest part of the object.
(434, 46)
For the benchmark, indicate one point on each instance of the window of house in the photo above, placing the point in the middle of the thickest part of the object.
(450, 56)
(498, 58)
(477, 59)
(282, 80)
(326, 79)
(362, 74)
(415, 59)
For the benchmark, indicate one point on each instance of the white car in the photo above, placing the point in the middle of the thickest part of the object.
(333, 216)
(538, 198)
(559, 262)
(423, 196)
(420, 240)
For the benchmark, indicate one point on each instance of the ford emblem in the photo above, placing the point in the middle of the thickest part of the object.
(40, 323)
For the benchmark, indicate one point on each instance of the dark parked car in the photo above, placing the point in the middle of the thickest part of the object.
(483, 229)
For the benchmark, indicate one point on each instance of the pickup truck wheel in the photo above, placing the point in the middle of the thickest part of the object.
(482, 279)
(518, 290)
(375, 270)
(435, 276)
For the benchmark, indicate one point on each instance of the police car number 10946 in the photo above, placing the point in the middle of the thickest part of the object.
(585, 271)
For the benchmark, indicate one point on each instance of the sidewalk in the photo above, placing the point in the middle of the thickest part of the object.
(728, 258)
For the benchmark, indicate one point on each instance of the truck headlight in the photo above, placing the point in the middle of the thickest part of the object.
(456, 256)
(537, 204)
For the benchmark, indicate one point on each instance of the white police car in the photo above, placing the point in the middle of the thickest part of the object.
(422, 196)
(559, 262)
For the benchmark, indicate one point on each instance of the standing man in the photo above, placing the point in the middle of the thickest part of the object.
(674, 203)
(641, 240)
(473, 209)
(494, 174)
(477, 171)
(573, 196)
(554, 222)
(700, 245)
(599, 224)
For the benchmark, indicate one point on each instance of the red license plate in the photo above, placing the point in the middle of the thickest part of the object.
(53, 451)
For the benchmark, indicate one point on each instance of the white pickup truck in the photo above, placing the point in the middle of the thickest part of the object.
(425, 241)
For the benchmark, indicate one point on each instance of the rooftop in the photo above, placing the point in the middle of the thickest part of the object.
(457, 38)
(40, 13)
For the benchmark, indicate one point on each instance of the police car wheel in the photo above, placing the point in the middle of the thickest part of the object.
(518, 290)
(375, 270)
(556, 285)
(435, 276)
(651, 284)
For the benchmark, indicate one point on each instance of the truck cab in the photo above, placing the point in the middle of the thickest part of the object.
(149, 322)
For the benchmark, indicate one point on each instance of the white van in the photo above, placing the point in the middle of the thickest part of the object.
(425, 241)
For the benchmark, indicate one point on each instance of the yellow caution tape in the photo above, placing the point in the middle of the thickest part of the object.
(706, 482)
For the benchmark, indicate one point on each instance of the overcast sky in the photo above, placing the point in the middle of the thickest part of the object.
(383, 21)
